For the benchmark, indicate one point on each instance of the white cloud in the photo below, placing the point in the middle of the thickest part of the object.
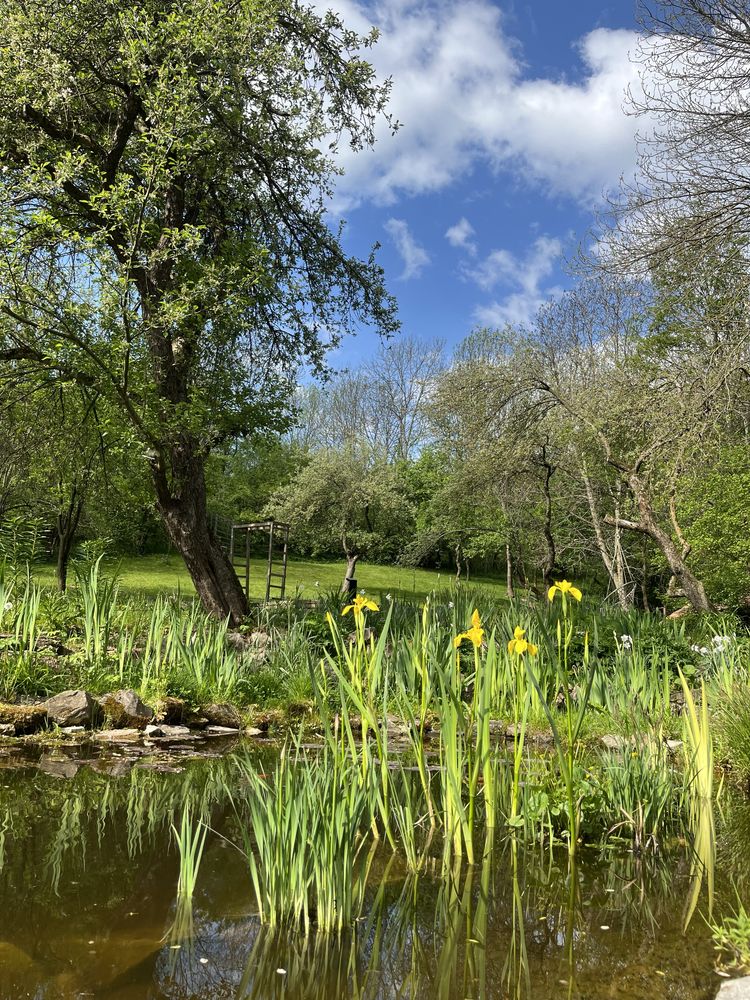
(461, 236)
(413, 255)
(460, 90)
(524, 279)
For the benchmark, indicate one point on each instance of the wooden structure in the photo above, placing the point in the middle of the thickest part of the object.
(240, 545)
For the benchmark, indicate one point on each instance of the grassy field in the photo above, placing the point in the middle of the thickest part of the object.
(152, 575)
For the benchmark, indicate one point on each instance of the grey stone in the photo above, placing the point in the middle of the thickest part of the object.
(117, 735)
(152, 730)
(735, 989)
(673, 745)
(222, 715)
(72, 730)
(71, 708)
(221, 730)
(174, 732)
(125, 710)
(7, 729)
(612, 742)
(58, 767)
(253, 731)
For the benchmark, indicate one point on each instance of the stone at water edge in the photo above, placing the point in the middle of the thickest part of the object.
(25, 719)
(7, 729)
(222, 714)
(152, 730)
(71, 708)
(221, 731)
(173, 732)
(118, 735)
(125, 710)
(735, 989)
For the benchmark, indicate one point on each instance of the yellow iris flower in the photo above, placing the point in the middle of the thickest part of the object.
(475, 633)
(564, 588)
(519, 644)
(359, 605)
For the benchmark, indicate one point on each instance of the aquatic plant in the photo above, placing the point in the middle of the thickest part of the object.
(304, 841)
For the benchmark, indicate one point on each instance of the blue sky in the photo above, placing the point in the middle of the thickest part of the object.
(513, 129)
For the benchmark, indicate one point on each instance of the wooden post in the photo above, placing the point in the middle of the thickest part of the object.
(270, 561)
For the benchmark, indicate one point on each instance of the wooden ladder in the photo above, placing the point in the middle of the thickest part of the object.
(279, 534)
(278, 554)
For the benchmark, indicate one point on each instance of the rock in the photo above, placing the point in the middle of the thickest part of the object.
(612, 742)
(735, 989)
(174, 732)
(24, 718)
(223, 714)
(253, 731)
(152, 730)
(7, 729)
(72, 730)
(71, 708)
(58, 767)
(125, 710)
(221, 731)
(117, 735)
(172, 711)
(673, 745)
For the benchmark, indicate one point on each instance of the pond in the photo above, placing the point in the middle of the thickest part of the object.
(89, 869)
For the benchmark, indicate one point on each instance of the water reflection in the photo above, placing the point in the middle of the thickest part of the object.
(89, 872)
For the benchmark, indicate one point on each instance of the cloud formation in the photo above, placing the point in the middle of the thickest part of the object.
(414, 256)
(460, 90)
(461, 236)
(522, 277)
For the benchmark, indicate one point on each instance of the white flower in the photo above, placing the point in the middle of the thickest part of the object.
(8, 606)
(450, 604)
(362, 592)
(626, 641)
(388, 597)
(704, 651)
(317, 583)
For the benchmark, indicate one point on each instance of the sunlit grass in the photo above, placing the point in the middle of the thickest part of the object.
(166, 574)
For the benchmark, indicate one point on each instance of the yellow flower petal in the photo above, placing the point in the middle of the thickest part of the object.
(518, 632)
(511, 645)
(347, 609)
(575, 592)
(552, 591)
(475, 634)
(476, 621)
(371, 605)
(459, 639)
(533, 650)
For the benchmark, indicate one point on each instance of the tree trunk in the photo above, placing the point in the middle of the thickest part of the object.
(690, 585)
(613, 562)
(182, 505)
(548, 566)
(508, 574)
(67, 525)
(351, 568)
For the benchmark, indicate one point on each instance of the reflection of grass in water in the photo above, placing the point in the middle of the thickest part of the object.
(700, 763)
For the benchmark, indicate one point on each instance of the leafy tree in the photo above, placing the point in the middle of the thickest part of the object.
(164, 169)
(341, 499)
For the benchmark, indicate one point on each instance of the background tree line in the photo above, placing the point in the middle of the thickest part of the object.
(168, 273)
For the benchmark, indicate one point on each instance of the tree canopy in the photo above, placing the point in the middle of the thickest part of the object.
(164, 169)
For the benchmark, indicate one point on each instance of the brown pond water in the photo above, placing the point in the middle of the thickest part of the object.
(88, 872)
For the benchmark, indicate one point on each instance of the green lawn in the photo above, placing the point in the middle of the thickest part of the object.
(152, 575)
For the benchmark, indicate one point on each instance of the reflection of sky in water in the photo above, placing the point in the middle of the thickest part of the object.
(88, 885)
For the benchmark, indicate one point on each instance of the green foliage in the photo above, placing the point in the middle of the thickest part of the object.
(714, 506)
(347, 502)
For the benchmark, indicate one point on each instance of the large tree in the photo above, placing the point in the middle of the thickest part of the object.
(164, 170)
